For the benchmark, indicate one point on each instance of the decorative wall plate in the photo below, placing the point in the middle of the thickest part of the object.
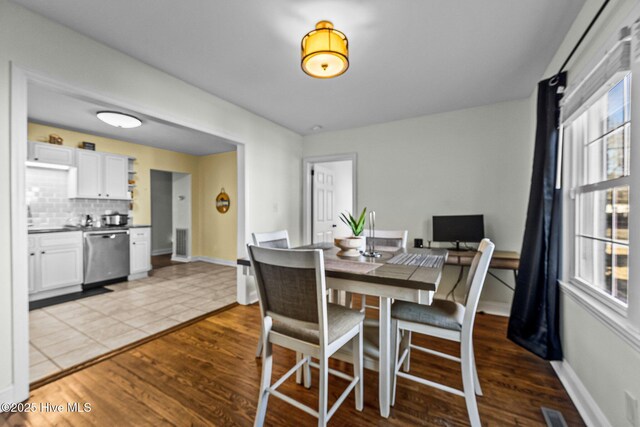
(223, 201)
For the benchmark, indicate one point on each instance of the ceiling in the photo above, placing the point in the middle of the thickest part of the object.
(407, 57)
(50, 107)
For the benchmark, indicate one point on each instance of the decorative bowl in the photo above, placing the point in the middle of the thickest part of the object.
(350, 246)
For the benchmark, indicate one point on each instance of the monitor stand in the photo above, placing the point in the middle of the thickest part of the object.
(457, 248)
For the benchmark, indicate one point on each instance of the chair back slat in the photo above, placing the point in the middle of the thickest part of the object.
(277, 244)
(388, 238)
(273, 239)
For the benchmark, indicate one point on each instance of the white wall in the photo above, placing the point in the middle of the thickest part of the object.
(161, 212)
(40, 45)
(463, 162)
(605, 364)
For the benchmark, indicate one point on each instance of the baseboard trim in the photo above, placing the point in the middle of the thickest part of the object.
(215, 261)
(137, 276)
(6, 396)
(591, 413)
(180, 259)
(162, 252)
(494, 307)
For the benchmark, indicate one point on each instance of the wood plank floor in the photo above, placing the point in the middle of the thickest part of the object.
(206, 374)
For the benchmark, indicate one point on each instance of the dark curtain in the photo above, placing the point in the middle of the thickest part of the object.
(534, 321)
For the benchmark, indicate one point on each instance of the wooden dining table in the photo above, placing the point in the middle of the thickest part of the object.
(387, 277)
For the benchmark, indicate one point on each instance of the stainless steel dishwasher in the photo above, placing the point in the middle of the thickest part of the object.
(106, 256)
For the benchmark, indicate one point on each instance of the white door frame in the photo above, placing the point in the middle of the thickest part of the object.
(20, 77)
(307, 165)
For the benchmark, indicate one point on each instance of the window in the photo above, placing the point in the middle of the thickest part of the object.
(600, 146)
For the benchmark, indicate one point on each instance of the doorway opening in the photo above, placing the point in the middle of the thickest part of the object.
(54, 356)
(329, 190)
(170, 218)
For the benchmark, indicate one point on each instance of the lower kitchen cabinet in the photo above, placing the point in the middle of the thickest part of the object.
(139, 252)
(55, 264)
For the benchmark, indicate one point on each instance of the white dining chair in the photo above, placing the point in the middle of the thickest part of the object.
(384, 240)
(447, 320)
(296, 315)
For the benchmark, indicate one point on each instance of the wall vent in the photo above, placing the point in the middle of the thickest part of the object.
(182, 240)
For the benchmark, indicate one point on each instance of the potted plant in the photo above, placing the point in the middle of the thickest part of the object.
(350, 246)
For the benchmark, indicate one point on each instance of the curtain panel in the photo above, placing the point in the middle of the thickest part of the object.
(534, 320)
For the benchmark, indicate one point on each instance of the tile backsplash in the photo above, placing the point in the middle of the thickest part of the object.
(47, 196)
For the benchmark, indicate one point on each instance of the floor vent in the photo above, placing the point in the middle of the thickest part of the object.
(182, 237)
(553, 418)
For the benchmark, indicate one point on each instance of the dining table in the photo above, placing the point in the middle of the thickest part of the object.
(402, 274)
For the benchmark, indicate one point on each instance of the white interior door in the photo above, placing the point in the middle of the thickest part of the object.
(324, 220)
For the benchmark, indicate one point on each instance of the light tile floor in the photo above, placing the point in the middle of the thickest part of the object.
(66, 334)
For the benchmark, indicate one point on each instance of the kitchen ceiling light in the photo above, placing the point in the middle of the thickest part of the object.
(119, 120)
(325, 52)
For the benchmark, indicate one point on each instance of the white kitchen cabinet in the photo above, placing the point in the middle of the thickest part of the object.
(50, 153)
(89, 175)
(32, 264)
(59, 267)
(55, 264)
(139, 252)
(99, 176)
(116, 176)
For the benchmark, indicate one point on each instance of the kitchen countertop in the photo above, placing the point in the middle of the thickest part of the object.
(67, 228)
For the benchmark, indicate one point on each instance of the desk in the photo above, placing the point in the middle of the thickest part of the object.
(501, 260)
(374, 276)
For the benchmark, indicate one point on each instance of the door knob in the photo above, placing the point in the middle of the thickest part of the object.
(333, 225)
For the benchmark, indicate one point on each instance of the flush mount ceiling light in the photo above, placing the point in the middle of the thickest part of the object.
(325, 52)
(119, 120)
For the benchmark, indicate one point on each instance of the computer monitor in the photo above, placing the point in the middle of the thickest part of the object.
(458, 228)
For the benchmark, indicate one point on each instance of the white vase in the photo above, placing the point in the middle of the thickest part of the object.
(350, 246)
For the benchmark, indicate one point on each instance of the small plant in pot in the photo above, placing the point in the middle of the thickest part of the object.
(350, 246)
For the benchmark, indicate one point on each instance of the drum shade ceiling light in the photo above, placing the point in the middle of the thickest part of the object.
(119, 120)
(325, 52)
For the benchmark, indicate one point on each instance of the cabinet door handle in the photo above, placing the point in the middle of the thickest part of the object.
(133, 243)
(99, 194)
(35, 158)
(32, 253)
(42, 252)
(107, 195)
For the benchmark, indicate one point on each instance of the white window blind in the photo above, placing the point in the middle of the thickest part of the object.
(613, 67)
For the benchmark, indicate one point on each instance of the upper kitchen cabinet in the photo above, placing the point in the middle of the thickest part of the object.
(49, 153)
(116, 176)
(88, 176)
(99, 176)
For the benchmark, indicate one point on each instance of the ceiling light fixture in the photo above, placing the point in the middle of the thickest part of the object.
(325, 52)
(119, 120)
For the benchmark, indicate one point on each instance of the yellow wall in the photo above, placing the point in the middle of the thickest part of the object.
(214, 235)
(215, 172)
